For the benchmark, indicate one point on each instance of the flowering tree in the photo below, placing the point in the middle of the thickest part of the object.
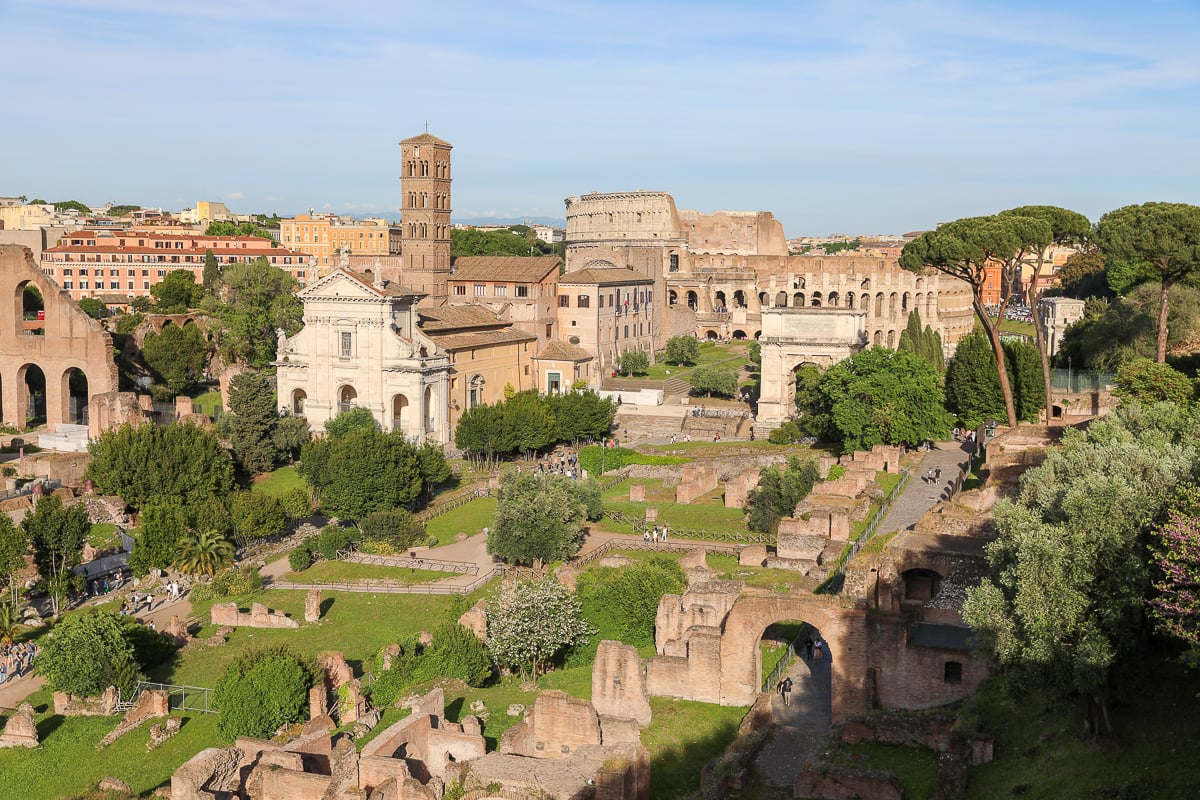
(530, 622)
(1176, 609)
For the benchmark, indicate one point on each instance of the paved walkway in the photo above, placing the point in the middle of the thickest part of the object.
(918, 496)
(801, 728)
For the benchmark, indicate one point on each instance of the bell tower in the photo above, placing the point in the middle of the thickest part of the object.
(425, 213)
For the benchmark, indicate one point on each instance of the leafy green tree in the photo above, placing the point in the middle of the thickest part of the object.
(967, 249)
(290, 436)
(211, 277)
(923, 342)
(1111, 334)
(682, 350)
(622, 602)
(172, 463)
(177, 292)
(253, 419)
(261, 692)
(435, 470)
(351, 421)
(72, 205)
(177, 355)
(162, 526)
(1175, 607)
(364, 471)
(93, 307)
(880, 396)
(253, 300)
(518, 240)
(1083, 276)
(533, 422)
(582, 415)
(778, 492)
(634, 362)
(1166, 235)
(57, 534)
(972, 388)
(456, 653)
(13, 546)
(222, 228)
(122, 209)
(203, 552)
(711, 379)
(88, 653)
(1063, 602)
(1123, 275)
(485, 433)
(531, 622)
(1025, 367)
(396, 527)
(211, 514)
(756, 354)
(296, 503)
(539, 518)
(1143, 380)
(257, 515)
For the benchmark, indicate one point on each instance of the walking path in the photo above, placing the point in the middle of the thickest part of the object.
(800, 728)
(918, 496)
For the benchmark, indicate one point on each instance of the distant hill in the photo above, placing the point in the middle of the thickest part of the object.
(551, 221)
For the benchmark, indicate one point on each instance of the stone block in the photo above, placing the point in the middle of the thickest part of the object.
(695, 559)
(803, 546)
(224, 614)
(619, 730)
(312, 605)
(475, 619)
(336, 670)
(752, 555)
(615, 561)
(637, 492)
(20, 730)
(651, 514)
(846, 783)
(115, 785)
(738, 488)
(555, 727)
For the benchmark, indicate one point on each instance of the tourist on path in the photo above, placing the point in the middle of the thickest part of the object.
(785, 690)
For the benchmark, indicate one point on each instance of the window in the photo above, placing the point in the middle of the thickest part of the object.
(480, 289)
(674, 262)
(953, 672)
(146, 285)
(68, 284)
(583, 301)
(83, 284)
(347, 344)
(501, 291)
(521, 291)
(131, 286)
(461, 291)
(564, 301)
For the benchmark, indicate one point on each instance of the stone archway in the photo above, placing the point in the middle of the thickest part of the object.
(32, 389)
(74, 396)
(842, 625)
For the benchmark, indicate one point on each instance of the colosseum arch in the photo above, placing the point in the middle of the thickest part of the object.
(842, 625)
(48, 348)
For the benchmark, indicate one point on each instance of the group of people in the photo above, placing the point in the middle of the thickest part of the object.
(137, 600)
(814, 650)
(675, 437)
(566, 464)
(16, 660)
(655, 535)
(933, 475)
(964, 435)
(105, 585)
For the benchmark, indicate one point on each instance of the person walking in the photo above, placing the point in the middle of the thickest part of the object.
(808, 649)
(819, 649)
(785, 690)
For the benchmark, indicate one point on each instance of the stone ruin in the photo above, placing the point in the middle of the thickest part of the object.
(20, 730)
(68, 705)
(695, 480)
(419, 756)
(474, 619)
(312, 605)
(227, 614)
(150, 704)
(161, 731)
(738, 488)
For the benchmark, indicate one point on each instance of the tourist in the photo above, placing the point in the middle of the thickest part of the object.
(785, 690)
(808, 649)
(819, 649)
(937, 475)
(646, 536)
(663, 535)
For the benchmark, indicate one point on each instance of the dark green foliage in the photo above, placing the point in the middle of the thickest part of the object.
(330, 540)
(923, 342)
(518, 240)
(1084, 276)
(598, 460)
(13, 545)
(177, 292)
(880, 396)
(296, 503)
(300, 558)
(71, 205)
(435, 470)
(582, 415)
(1123, 275)
(289, 437)
(57, 535)
(634, 362)
(534, 425)
(150, 648)
(257, 515)
(1127, 328)
(262, 691)
(252, 421)
(592, 498)
(711, 379)
(253, 300)
(1143, 380)
(622, 602)
(1025, 373)
(756, 354)
(211, 276)
(350, 421)
(787, 433)
(211, 514)
(237, 229)
(180, 463)
(972, 386)
(128, 323)
(538, 518)
(177, 355)
(455, 653)
(396, 527)
(363, 471)
(93, 307)
(682, 350)
(778, 492)
(229, 582)
(485, 433)
(162, 526)
(86, 654)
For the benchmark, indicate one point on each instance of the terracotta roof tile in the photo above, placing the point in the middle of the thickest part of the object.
(468, 339)
(446, 318)
(556, 350)
(518, 269)
(604, 277)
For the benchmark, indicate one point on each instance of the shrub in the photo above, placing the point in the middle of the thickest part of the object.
(300, 559)
(396, 527)
(330, 540)
(617, 457)
(257, 515)
(296, 503)
(262, 691)
(455, 653)
(86, 654)
(150, 648)
(624, 602)
(787, 433)
(229, 583)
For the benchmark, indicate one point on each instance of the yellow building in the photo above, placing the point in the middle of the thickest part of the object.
(325, 236)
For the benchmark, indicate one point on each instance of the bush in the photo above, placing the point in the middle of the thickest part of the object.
(623, 603)
(262, 691)
(617, 457)
(150, 648)
(455, 653)
(229, 583)
(330, 540)
(296, 503)
(300, 559)
(87, 653)
(682, 350)
(397, 528)
(787, 433)
(257, 515)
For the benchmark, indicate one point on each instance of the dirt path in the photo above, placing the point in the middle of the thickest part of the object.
(801, 728)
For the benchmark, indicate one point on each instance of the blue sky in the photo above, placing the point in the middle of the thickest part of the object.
(865, 117)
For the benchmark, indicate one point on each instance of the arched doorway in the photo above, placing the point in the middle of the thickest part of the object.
(920, 586)
(347, 398)
(75, 397)
(693, 300)
(400, 412)
(739, 299)
(816, 300)
(721, 305)
(739, 335)
(798, 300)
(31, 395)
(30, 308)
(879, 305)
(833, 300)
(711, 336)
(299, 400)
(877, 339)
(891, 339)
(795, 650)
(763, 301)
(781, 300)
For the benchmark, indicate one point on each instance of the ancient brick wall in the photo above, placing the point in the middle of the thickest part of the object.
(619, 683)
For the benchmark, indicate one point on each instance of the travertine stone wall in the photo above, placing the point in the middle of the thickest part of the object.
(619, 683)
(556, 726)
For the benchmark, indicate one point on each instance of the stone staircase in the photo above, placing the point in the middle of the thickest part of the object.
(676, 386)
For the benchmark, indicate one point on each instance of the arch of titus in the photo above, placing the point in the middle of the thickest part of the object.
(794, 336)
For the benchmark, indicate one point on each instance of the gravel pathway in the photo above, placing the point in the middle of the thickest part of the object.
(801, 728)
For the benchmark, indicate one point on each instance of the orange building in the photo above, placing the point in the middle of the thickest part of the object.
(92, 263)
(326, 235)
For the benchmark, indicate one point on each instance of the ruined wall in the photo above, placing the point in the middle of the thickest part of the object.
(555, 727)
(619, 683)
(260, 616)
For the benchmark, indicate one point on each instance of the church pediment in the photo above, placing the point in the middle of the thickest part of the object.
(339, 285)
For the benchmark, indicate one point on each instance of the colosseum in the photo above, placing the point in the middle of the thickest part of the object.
(718, 272)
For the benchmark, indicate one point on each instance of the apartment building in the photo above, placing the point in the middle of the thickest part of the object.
(325, 236)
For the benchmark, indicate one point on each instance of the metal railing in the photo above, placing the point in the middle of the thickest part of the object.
(769, 682)
(411, 562)
(179, 698)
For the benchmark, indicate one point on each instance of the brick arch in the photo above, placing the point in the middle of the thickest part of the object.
(842, 626)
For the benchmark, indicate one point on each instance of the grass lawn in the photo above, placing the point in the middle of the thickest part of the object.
(735, 354)
(208, 402)
(576, 681)
(104, 536)
(706, 513)
(782, 580)
(277, 482)
(682, 737)
(774, 644)
(350, 572)
(68, 763)
(1015, 326)
(708, 448)
(915, 767)
(470, 518)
